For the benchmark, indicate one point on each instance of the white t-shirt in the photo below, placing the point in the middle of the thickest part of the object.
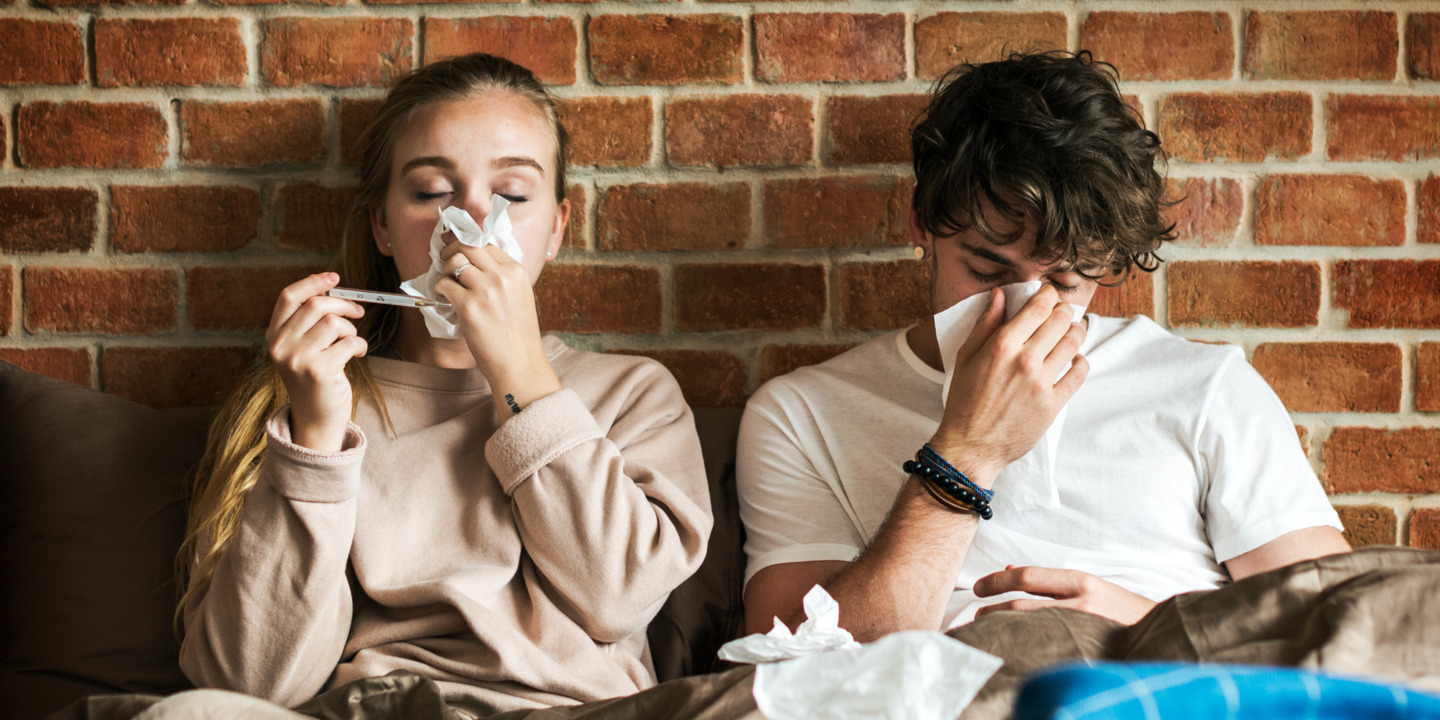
(1174, 458)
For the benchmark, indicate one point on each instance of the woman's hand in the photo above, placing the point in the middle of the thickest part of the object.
(1004, 393)
(492, 297)
(310, 340)
(1062, 588)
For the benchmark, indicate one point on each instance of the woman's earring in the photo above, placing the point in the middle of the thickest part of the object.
(919, 252)
(549, 253)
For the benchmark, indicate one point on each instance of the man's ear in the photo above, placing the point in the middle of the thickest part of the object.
(557, 233)
(381, 230)
(918, 235)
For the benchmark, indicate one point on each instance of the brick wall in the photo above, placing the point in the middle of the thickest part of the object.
(742, 183)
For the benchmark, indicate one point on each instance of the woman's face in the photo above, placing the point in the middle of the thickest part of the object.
(459, 152)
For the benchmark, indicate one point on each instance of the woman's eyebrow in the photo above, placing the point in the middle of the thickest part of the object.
(439, 161)
(517, 161)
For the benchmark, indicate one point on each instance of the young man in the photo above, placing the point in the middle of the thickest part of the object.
(1177, 467)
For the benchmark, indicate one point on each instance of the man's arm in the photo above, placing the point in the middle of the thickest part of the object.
(1288, 549)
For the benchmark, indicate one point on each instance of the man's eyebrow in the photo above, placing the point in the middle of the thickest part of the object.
(517, 161)
(439, 161)
(988, 254)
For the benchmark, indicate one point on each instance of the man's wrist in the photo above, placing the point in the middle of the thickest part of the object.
(975, 465)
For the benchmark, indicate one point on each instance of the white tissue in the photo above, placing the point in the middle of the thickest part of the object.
(914, 675)
(441, 322)
(821, 631)
(1030, 481)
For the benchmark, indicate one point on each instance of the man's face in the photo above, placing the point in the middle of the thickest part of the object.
(967, 264)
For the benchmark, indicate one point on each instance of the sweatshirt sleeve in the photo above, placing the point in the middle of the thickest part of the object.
(275, 616)
(613, 518)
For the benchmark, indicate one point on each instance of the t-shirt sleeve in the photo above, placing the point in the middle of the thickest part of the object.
(1260, 484)
(792, 513)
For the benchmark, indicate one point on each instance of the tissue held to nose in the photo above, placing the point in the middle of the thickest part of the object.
(496, 230)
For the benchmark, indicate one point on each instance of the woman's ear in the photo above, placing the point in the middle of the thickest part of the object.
(380, 230)
(557, 233)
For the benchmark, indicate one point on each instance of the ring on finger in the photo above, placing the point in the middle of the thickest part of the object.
(459, 270)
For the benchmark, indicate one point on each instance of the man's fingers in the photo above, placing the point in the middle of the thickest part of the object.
(1048, 582)
(1020, 605)
(990, 320)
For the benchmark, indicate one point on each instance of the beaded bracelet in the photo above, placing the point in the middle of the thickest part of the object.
(928, 453)
(944, 488)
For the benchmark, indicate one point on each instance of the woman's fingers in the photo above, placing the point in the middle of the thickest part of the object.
(295, 294)
(316, 310)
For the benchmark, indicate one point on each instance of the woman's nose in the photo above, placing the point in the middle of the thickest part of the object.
(477, 205)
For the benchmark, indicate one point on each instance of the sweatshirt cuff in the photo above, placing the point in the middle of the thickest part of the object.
(299, 473)
(531, 440)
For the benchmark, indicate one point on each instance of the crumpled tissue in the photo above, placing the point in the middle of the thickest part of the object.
(441, 322)
(820, 631)
(1030, 481)
(912, 675)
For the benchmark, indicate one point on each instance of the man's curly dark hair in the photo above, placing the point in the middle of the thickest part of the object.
(1048, 136)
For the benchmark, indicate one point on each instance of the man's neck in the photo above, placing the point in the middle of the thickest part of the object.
(923, 343)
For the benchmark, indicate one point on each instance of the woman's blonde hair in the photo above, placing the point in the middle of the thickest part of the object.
(236, 444)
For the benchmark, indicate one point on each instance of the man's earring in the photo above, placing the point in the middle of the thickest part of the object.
(919, 252)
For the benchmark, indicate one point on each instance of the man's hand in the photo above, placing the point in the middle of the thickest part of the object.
(1063, 588)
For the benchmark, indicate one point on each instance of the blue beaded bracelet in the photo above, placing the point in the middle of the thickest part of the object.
(939, 483)
(928, 453)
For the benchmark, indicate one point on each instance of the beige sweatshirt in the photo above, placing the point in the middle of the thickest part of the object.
(516, 567)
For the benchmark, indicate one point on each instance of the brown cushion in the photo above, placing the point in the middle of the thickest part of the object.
(705, 611)
(90, 519)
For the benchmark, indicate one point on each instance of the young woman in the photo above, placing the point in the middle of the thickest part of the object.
(496, 512)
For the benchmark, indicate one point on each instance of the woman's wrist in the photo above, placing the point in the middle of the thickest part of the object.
(514, 393)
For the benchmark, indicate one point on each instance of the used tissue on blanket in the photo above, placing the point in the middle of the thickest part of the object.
(441, 322)
(820, 631)
(821, 673)
(1030, 481)
(914, 675)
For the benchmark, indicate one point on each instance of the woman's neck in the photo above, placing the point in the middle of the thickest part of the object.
(413, 343)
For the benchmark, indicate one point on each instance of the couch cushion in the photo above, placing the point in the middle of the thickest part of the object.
(90, 519)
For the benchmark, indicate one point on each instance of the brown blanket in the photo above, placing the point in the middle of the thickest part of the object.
(1368, 613)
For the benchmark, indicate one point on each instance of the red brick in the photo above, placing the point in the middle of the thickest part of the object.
(180, 51)
(1349, 45)
(681, 216)
(355, 115)
(545, 45)
(335, 52)
(1304, 434)
(1422, 40)
(237, 298)
(69, 364)
(708, 378)
(599, 299)
(1381, 127)
(60, 219)
(312, 217)
(108, 3)
(276, 2)
(838, 211)
(1235, 127)
(777, 360)
(182, 219)
(87, 134)
(1329, 210)
(1362, 459)
(174, 377)
(1162, 46)
(1136, 296)
(1389, 293)
(575, 226)
(7, 299)
(122, 301)
(829, 47)
(884, 295)
(666, 49)
(608, 131)
(36, 52)
(740, 130)
(1425, 528)
(1367, 525)
(947, 39)
(1209, 211)
(1332, 376)
(872, 129)
(1254, 294)
(1427, 227)
(252, 133)
(749, 297)
(1427, 377)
